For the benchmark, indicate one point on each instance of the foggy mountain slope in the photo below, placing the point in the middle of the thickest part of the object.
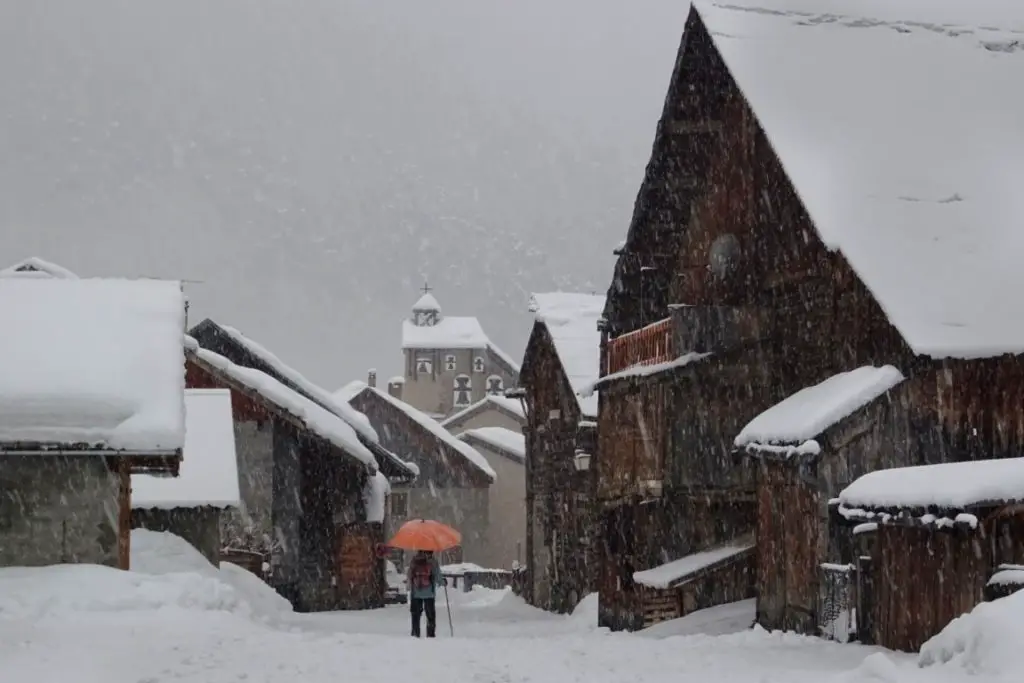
(311, 163)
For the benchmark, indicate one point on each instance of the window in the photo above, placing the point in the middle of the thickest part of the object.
(478, 364)
(400, 505)
(423, 366)
(495, 385)
(463, 390)
(449, 363)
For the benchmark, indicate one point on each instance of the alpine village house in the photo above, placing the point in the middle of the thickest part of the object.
(82, 413)
(314, 477)
(811, 294)
(562, 358)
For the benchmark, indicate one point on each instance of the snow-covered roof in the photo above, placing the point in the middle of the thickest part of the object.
(956, 485)
(34, 266)
(499, 437)
(449, 333)
(870, 131)
(673, 573)
(812, 410)
(638, 371)
(504, 357)
(342, 409)
(571, 320)
(318, 420)
(435, 428)
(463, 568)
(375, 497)
(1007, 575)
(427, 302)
(209, 464)
(512, 405)
(346, 392)
(93, 363)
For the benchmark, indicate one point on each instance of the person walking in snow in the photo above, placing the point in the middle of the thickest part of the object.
(424, 576)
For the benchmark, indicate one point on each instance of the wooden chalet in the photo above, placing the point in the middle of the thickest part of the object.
(772, 239)
(562, 357)
(81, 412)
(453, 480)
(307, 483)
(941, 535)
(808, 448)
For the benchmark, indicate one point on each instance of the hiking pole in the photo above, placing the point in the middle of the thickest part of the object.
(448, 604)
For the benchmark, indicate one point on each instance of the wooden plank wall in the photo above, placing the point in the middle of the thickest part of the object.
(925, 579)
(789, 549)
(633, 437)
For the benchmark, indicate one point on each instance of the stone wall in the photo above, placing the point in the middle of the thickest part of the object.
(57, 509)
(200, 526)
(250, 527)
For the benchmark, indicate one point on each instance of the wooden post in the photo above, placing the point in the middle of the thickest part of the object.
(124, 518)
(866, 598)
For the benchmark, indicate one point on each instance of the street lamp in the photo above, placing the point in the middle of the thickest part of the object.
(581, 461)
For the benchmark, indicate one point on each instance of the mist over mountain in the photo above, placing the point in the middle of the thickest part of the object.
(309, 163)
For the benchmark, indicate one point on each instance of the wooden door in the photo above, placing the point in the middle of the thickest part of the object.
(357, 567)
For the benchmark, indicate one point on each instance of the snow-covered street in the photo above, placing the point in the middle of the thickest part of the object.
(174, 619)
(498, 640)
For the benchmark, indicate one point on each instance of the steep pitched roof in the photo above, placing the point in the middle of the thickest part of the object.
(241, 350)
(571, 321)
(33, 266)
(210, 334)
(498, 439)
(510, 406)
(284, 401)
(435, 429)
(902, 138)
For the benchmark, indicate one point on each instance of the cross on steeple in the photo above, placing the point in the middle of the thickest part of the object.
(426, 287)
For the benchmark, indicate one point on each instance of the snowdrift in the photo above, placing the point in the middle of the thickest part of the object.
(986, 640)
(167, 573)
(62, 590)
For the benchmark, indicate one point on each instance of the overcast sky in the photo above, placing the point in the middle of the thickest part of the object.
(310, 162)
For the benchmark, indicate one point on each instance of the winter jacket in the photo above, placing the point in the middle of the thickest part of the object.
(432, 577)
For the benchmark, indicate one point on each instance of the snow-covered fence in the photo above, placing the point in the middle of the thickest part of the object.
(837, 619)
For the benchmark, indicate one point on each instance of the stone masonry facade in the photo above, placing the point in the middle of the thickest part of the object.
(57, 509)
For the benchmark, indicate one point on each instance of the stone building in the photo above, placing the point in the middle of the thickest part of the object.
(305, 479)
(450, 363)
(453, 481)
(81, 412)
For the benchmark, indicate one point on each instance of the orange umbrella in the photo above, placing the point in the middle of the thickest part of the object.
(425, 534)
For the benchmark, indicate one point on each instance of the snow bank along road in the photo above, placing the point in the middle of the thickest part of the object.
(187, 622)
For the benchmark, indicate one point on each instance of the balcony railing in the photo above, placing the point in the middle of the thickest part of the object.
(646, 346)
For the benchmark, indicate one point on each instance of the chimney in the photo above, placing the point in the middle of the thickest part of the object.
(395, 385)
(372, 378)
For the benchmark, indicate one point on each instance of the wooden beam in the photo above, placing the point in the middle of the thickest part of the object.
(124, 516)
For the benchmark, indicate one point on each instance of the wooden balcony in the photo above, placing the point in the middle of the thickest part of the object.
(646, 346)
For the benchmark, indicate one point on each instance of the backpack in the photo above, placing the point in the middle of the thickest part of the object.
(421, 574)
